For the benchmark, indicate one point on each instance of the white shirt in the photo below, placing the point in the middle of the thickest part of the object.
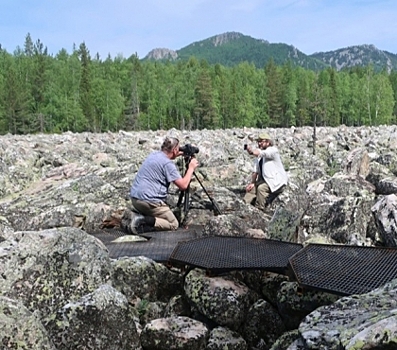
(272, 171)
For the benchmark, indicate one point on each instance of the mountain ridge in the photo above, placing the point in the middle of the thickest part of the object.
(231, 48)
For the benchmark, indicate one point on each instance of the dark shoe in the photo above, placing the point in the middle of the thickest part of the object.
(137, 221)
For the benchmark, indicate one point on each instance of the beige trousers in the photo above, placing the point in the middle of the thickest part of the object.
(164, 218)
(260, 193)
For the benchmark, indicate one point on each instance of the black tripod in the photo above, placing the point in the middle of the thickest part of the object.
(184, 195)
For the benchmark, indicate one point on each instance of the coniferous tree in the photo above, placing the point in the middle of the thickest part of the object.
(305, 81)
(334, 118)
(262, 119)
(357, 98)
(289, 95)
(393, 82)
(382, 99)
(15, 96)
(246, 80)
(368, 92)
(131, 91)
(146, 115)
(204, 111)
(28, 46)
(64, 108)
(86, 98)
(222, 91)
(274, 97)
(3, 118)
(190, 73)
(39, 85)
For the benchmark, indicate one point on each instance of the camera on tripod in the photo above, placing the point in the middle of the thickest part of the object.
(189, 150)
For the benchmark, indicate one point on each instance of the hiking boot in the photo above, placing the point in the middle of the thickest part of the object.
(137, 221)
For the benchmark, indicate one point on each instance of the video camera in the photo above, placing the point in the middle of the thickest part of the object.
(189, 150)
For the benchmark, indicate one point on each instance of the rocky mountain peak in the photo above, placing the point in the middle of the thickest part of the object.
(357, 55)
(225, 38)
(162, 54)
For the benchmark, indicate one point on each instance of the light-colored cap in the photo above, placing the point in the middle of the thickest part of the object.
(263, 137)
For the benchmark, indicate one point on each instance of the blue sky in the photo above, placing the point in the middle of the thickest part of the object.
(125, 27)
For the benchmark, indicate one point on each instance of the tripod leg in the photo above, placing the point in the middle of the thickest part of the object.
(186, 202)
(181, 195)
(217, 210)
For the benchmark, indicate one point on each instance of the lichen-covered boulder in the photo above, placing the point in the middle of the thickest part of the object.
(340, 211)
(222, 338)
(223, 300)
(356, 162)
(382, 177)
(265, 283)
(263, 325)
(47, 269)
(366, 321)
(100, 320)
(20, 328)
(237, 218)
(283, 342)
(271, 283)
(179, 333)
(5, 228)
(143, 278)
(283, 224)
(234, 225)
(150, 310)
(178, 305)
(294, 305)
(384, 212)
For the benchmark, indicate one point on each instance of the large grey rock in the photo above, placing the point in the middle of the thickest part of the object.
(293, 305)
(100, 320)
(286, 340)
(20, 328)
(223, 300)
(143, 278)
(366, 321)
(178, 305)
(263, 325)
(47, 269)
(265, 284)
(357, 163)
(179, 332)
(150, 310)
(223, 338)
(338, 208)
(386, 219)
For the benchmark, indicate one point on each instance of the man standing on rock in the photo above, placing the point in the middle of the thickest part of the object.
(269, 177)
(150, 188)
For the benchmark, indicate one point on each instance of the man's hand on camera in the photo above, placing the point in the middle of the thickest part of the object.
(255, 152)
(193, 163)
(249, 149)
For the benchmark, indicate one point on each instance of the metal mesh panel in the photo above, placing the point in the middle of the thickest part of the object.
(158, 246)
(344, 270)
(220, 253)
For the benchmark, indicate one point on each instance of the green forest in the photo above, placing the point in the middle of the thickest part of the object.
(42, 93)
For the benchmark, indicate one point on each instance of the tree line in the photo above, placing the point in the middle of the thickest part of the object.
(42, 93)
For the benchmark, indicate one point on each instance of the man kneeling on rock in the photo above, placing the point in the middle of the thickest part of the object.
(269, 177)
(150, 189)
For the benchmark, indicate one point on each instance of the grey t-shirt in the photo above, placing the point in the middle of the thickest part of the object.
(154, 177)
